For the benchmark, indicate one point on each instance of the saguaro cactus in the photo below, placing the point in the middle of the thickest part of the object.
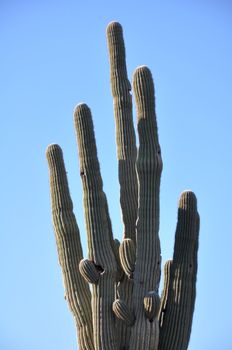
(123, 310)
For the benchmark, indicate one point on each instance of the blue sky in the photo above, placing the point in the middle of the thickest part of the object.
(53, 56)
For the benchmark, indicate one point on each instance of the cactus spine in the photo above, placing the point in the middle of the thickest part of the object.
(123, 310)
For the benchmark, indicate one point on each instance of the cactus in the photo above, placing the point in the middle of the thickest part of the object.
(123, 310)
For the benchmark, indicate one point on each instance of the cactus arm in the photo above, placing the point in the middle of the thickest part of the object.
(164, 297)
(122, 311)
(177, 319)
(145, 332)
(151, 305)
(98, 232)
(69, 248)
(125, 134)
(89, 271)
(126, 154)
(127, 256)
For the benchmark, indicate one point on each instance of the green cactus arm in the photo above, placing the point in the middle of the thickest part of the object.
(125, 134)
(99, 234)
(164, 296)
(145, 332)
(123, 312)
(126, 154)
(127, 256)
(69, 248)
(89, 271)
(151, 305)
(180, 300)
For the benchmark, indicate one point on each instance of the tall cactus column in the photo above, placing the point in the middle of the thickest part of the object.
(126, 154)
(145, 333)
(69, 248)
(101, 268)
(125, 134)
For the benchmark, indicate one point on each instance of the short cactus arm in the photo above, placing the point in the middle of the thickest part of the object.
(127, 256)
(69, 248)
(176, 317)
(145, 332)
(125, 134)
(123, 312)
(100, 240)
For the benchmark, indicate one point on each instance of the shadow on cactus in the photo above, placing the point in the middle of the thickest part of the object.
(123, 310)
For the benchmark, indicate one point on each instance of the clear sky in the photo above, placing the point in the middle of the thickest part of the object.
(53, 54)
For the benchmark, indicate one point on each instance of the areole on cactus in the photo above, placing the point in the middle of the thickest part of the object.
(123, 310)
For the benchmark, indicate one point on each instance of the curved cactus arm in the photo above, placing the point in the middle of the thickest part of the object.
(69, 248)
(89, 271)
(151, 305)
(125, 134)
(177, 318)
(127, 256)
(98, 231)
(145, 332)
(123, 312)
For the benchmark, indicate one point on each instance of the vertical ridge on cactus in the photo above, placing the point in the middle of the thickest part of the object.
(122, 310)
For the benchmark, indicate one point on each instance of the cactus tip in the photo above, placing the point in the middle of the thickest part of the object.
(80, 107)
(53, 148)
(187, 199)
(114, 25)
(142, 71)
(81, 110)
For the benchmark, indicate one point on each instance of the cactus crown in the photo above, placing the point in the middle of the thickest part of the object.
(123, 310)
